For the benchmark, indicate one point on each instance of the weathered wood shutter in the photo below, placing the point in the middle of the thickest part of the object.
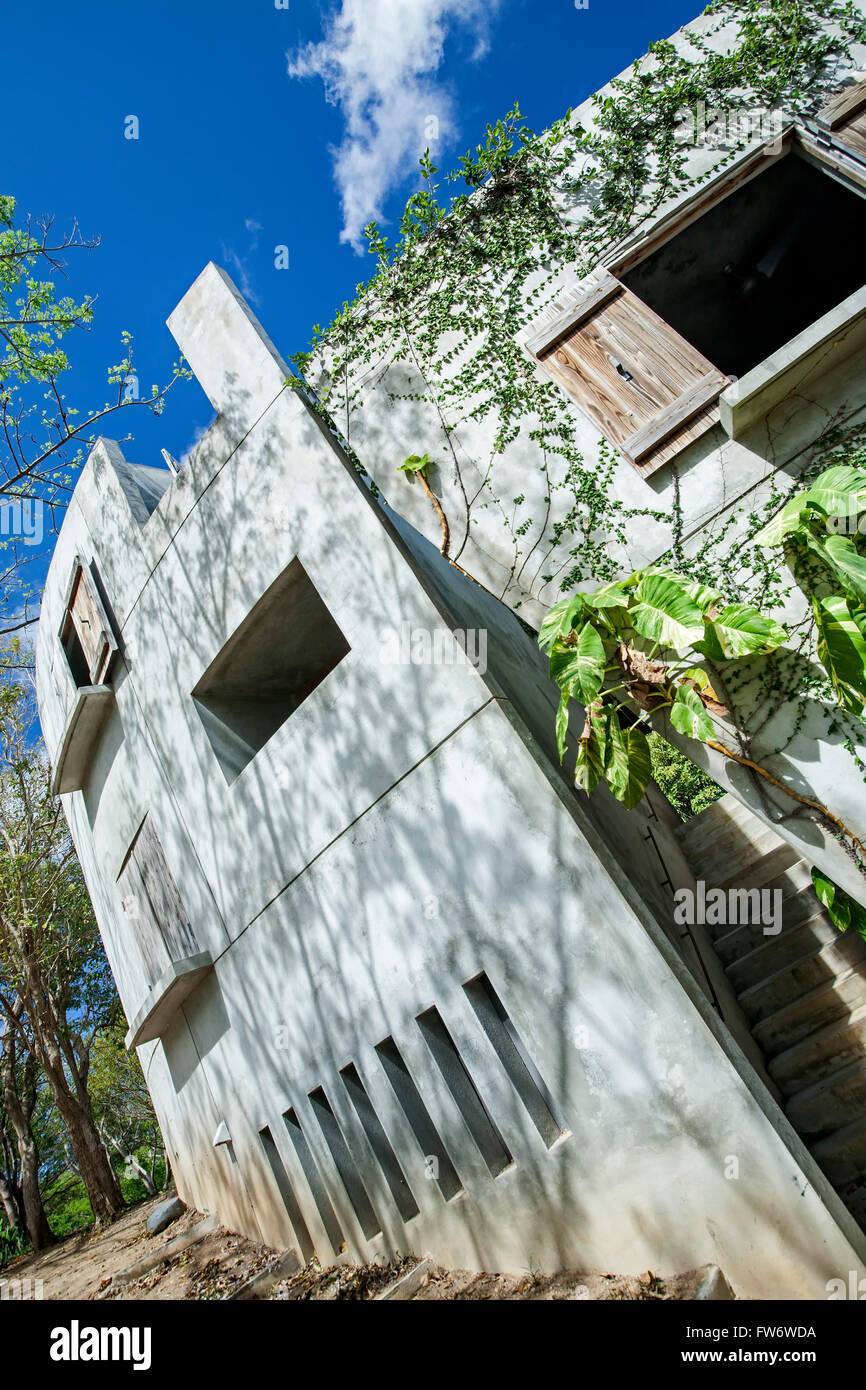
(85, 619)
(648, 390)
(152, 902)
(845, 117)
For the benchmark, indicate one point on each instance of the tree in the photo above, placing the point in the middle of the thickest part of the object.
(122, 1106)
(18, 1081)
(56, 990)
(43, 438)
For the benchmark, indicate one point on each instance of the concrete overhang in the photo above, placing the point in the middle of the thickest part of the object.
(831, 339)
(81, 733)
(163, 1001)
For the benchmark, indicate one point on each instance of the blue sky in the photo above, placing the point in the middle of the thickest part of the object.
(237, 156)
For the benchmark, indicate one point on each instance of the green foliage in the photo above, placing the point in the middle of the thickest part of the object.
(843, 911)
(632, 644)
(12, 1244)
(818, 532)
(686, 786)
(415, 463)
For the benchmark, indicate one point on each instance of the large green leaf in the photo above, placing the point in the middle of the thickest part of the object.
(783, 523)
(560, 619)
(591, 752)
(630, 767)
(665, 613)
(689, 716)
(740, 630)
(837, 903)
(848, 563)
(579, 668)
(838, 491)
(562, 724)
(842, 650)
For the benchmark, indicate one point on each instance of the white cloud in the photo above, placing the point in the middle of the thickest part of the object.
(379, 61)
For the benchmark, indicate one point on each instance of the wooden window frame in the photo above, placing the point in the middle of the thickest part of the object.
(838, 161)
(82, 593)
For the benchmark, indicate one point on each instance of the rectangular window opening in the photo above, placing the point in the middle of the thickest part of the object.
(518, 1064)
(379, 1143)
(456, 1076)
(439, 1165)
(314, 1181)
(345, 1164)
(757, 268)
(280, 653)
(286, 1191)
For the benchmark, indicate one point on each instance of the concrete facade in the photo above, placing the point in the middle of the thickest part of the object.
(439, 1008)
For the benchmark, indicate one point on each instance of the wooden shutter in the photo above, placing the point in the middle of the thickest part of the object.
(153, 904)
(649, 391)
(845, 117)
(85, 619)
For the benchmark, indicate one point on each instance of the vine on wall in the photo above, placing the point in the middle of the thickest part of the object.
(450, 298)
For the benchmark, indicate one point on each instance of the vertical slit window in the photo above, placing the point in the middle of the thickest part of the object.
(509, 1048)
(379, 1143)
(314, 1181)
(281, 1178)
(477, 1118)
(418, 1116)
(345, 1164)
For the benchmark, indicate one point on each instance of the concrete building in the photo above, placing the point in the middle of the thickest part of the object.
(394, 983)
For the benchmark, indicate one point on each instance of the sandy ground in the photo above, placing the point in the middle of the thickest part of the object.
(218, 1266)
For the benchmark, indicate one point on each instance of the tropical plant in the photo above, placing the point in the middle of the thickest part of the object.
(685, 785)
(843, 910)
(634, 644)
(818, 530)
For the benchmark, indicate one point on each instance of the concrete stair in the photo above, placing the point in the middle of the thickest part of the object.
(802, 990)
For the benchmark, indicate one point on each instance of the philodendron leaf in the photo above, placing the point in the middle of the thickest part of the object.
(579, 668)
(848, 563)
(838, 491)
(740, 630)
(842, 650)
(562, 724)
(630, 768)
(588, 770)
(688, 714)
(783, 523)
(560, 619)
(665, 613)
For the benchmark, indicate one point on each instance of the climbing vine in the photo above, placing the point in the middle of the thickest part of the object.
(479, 257)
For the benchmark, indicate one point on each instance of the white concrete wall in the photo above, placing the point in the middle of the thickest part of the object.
(310, 880)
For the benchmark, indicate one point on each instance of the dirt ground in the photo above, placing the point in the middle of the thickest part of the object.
(217, 1266)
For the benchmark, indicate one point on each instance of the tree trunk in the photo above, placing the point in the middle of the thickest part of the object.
(19, 1108)
(131, 1161)
(10, 1202)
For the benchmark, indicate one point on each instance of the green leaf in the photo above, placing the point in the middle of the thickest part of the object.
(783, 523)
(665, 613)
(740, 630)
(579, 669)
(631, 768)
(848, 563)
(415, 463)
(842, 651)
(836, 902)
(560, 619)
(688, 715)
(562, 724)
(589, 767)
(838, 491)
(611, 596)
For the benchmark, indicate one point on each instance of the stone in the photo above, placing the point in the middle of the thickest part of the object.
(165, 1214)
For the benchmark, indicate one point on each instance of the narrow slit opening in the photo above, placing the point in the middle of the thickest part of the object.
(455, 1074)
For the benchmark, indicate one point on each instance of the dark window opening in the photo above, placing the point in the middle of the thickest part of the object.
(760, 266)
(280, 653)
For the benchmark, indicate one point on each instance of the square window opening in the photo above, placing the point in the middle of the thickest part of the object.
(280, 653)
(760, 266)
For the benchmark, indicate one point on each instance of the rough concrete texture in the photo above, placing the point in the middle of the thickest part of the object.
(404, 832)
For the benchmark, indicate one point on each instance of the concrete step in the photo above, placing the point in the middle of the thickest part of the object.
(803, 1063)
(700, 832)
(792, 881)
(837, 1100)
(758, 872)
(837, 998)
(843, 1155)
(750, 956)
(826, 963)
